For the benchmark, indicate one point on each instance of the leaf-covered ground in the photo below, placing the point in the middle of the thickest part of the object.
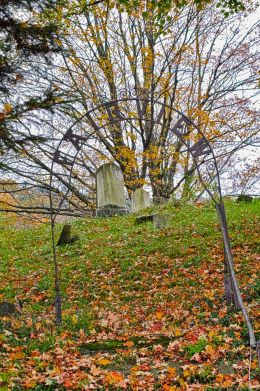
(143, 309)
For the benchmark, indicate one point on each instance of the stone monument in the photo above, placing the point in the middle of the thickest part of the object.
(140, 200)
(111, 199)
(161, 221)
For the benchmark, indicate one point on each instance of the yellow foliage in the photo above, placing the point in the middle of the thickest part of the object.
(7, 108)
(103, 361)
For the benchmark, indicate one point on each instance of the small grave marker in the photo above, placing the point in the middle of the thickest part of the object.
(9, 309)
(65, 236)
(143, 219)
(161, 221)
(245, 198)
(140, 200)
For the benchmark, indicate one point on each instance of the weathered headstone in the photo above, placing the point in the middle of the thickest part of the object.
(65, 236)
(143, 219)
(140, 200)
(8, 309)
(245, 198)
(110, 190)
(161, 221)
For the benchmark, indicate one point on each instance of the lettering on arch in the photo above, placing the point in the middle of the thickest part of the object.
(200, 148)
(62, 159)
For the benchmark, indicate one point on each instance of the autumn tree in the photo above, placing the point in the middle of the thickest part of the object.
(187, 63)
(24, 38)
(162, 7)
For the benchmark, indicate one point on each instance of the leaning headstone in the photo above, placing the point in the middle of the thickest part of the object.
(161, 221)
(140, 200)
(110, 190)
(244, 198)
(9, 309)
(65, 236)
(144, 219)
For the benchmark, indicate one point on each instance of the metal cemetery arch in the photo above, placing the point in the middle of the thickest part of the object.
(204, 160)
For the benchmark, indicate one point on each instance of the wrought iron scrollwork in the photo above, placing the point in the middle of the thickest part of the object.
(124, 93)
(201, 152)
(210, 172)
(136, 92)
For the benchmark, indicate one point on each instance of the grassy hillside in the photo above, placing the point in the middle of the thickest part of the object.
(143, 309)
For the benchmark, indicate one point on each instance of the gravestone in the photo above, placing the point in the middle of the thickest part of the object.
(143, 219)
(110, 190)
(140, 200)
(9, 309)
(161, 221)
(245, 198)
(65, 236)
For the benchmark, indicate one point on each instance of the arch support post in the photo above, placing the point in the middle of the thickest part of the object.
(232, 290)
(229, 291)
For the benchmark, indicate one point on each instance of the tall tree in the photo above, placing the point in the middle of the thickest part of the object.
(22, 37)
(189, 64)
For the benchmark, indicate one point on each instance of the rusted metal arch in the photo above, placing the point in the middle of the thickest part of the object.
(69, 135)
(232, 290)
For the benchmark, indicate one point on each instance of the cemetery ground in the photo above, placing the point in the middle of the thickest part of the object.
(143, 309)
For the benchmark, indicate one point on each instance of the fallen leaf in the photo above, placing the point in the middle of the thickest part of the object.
(103, 361)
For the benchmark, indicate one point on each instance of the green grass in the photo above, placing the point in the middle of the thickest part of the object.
(196, 347)
(164, 282)
(26, 254)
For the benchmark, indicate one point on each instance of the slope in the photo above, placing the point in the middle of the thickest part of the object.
(143, 309)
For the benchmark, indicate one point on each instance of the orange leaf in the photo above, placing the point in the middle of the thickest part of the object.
(67, 383)
(17, 355)
(114, 377)
(103, 361)
(129, 344)
(159, 315)
(210, 350)
(29, 384)
(171, 372)
(169, 388)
